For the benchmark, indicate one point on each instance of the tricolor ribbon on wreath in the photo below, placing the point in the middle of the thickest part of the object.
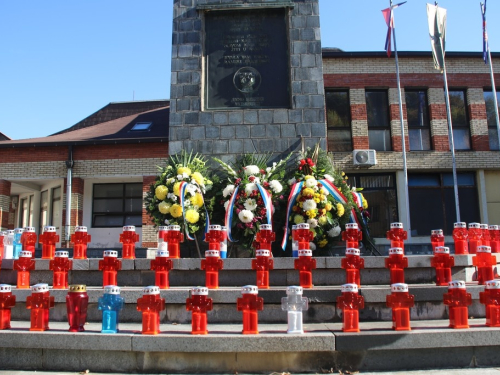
(182, 190)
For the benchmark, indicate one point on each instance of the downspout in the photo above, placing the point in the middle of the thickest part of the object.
(69, 166)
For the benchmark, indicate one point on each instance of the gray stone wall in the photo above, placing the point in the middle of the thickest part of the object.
(226, 133)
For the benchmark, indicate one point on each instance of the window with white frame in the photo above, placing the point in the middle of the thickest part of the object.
(116, 205)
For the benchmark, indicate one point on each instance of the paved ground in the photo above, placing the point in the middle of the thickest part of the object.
(485, 371)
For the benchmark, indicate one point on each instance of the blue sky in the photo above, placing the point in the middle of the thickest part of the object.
(63, 60)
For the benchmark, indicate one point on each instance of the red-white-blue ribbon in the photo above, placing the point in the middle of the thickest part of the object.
(335, 192)
(358, 199)
(292, 198)
(228, 219)
(268, 204)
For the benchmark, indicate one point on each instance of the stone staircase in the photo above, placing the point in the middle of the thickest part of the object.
(324, 347)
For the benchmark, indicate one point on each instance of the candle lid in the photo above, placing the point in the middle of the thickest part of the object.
(40, 288)
(29, 229)
(151, 290)
(174, 227)
(442, 250)
(349, 288)
(492, 284)
(396, 225)
(61, 254)
(78, 288)
(266, 227)
(160, 253)
(399, 288)
(303, 226)
(436, 231)
(111, 289)
(49, 228)
(214, 227)
(294, 226)
(396, 251)
(460, 224)
(351, 226)
(305, 253)
(162, 228)
(484, 249)
(111, 253)
(199, 291)
(352, 251)
(262, 253)
(474, 225)
(249, 289)
(494, 227)
(129, 228)
(223, 228)
(10, 232)
(25, 254)
(212, 254)
(5, 288)
(456, 284)
(81, 228)
(294, 290)
(18, 230)
(484, 226)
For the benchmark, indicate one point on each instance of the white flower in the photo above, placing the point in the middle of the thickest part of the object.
(245, 216)
(313, 223)
(179, 177)
(309, 204)
(292, 181)
(228, 190)
(256, 180)
(225, 205)
(329, 178)
(192, 189)
(324, 191)
(167, 221)
(311, 182)
(185, 175)
(268, 169)
(171, 180)
(312, 246)
(250, 187)
(334, 232)
(172, 196)
(276, 186)
(250, 204)
(251, 170)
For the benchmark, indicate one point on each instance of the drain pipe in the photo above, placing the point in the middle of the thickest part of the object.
(69, 166)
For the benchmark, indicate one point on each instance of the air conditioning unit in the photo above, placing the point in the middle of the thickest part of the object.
(364, 157)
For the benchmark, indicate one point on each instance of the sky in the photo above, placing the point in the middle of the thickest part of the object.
(63, 60)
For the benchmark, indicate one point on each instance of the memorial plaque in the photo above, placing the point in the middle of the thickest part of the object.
(247, 59)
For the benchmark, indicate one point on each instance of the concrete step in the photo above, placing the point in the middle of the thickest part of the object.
(238, 272)
(322, 304)
(323, 348)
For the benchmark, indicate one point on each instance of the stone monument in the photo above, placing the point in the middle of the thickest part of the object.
(247, 77)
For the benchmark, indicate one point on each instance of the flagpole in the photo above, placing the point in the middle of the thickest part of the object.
(450, 128)
(403, 142)
(493, 87)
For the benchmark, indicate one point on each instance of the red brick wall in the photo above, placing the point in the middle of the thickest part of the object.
(440, 143)
(396, 143)
(360, 143)
(122, 151)
(33, 154)
(5, 188)
(146, 182)
(358, 112)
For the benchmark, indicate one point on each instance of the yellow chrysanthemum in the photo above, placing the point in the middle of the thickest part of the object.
(308, 192)
(192, 216)
(198, 178)
(308, 177)
(298, 219)
(322, 220)
(328, 206)
(365, 203)
(177, 189)
(322, 197)
(176, 210)
(164, 207)
(196, 200)
(161, 192)
(185, 170)
(323, 243)
(311, 213)
(340, 209)
(316, 199)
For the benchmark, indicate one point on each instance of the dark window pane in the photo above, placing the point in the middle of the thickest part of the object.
(338, 109)
(133, 220)
(108, 205)
(490, 108)
(417, 109)
(108, 221)
(458, 109)
(382, 207)
(133, 205)
(108, 191)
(493, 135)
(423, 180)
(339, 140)
(379, 140)
(461, 138)
(377, 108)
(376, 182)
(463, 179)
(133, 190)
(420, 139)
(426, 210)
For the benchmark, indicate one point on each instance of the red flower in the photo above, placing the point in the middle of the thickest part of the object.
(251, 178)
(262, 171)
